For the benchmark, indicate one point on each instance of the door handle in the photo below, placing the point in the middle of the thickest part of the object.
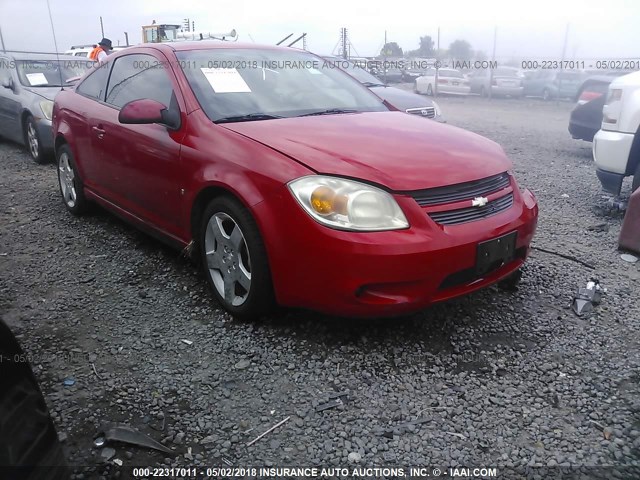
(99, 131)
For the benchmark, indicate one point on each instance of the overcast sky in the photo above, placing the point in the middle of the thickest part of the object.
(534, 29)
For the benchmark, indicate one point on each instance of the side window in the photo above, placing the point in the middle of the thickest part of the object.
(135, 77)
(95, 85)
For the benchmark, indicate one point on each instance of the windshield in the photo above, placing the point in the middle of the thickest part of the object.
(261, 84)
(49, 73)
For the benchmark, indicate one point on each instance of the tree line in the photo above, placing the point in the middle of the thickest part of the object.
(458, 50)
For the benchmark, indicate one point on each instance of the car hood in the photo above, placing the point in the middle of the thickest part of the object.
(392, 149)
(401, 99)
(45, 92)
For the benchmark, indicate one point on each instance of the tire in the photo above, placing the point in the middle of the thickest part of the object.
(29, 445)
(429, 90)
(546, 95)
(33, 143)
(636, 179)
(234, 259)
(69, 181)
(511, 282)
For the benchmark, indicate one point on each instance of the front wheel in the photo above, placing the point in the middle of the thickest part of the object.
(234, 259)
(71, 186)
(32, 140)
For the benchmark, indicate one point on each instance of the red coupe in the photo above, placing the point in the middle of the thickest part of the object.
(294, 183)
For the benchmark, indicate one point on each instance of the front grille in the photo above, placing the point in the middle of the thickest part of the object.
(461, 191)
(428, 112)
(470, 214)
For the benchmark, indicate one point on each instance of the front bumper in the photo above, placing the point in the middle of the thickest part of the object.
(45, 133)
(379, 274)
(611, 155)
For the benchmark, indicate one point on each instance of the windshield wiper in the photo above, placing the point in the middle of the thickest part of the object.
(247, 118)
(372, 84)
(329, 111)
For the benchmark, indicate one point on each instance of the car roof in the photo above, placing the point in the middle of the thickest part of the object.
(35, 56)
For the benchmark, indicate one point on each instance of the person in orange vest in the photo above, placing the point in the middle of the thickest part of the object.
(99, 53)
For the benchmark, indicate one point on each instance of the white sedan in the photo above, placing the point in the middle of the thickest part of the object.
(450, 81)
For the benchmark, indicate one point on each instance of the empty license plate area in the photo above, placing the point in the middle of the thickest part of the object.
(492, 254)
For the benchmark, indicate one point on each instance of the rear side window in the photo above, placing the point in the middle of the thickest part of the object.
(95, 85)
(135, 77)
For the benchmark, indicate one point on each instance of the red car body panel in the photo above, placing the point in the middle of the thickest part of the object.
(153, 176)
(359, 145)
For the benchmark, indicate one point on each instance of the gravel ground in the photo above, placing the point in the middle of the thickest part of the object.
(507, 379)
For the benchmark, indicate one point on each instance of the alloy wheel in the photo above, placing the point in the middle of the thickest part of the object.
(228, 260)
(66, 176)
(32, 140)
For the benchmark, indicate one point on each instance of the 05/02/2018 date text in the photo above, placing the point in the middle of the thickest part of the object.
(580, 64)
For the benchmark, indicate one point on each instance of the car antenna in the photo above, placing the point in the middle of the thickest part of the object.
(55, 44)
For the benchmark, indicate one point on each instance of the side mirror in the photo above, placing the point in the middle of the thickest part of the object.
(8, 83)
(147, 111)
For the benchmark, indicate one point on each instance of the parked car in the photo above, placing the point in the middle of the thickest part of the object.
(80, 50)
(409, 75)
(450, 82)
(586, 117)
(400, 99)
(28, 85)
(616, 146)
(550, 84)
(391, 75)
(85, 50)
(506, 81)
(296, 186)
(29, 445)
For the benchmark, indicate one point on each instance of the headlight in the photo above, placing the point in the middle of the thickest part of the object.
(437, 107)
(47, 108)
(347, 205)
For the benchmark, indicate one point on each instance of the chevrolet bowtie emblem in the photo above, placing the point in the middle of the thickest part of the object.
(479, 201)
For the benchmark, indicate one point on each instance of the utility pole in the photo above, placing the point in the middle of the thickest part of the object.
(437, 65)
(493, 58)
(564, 46)
(384, 56)
(126, 38)
(101, 27)
(564, 52)
(2, 41)
(345, 53)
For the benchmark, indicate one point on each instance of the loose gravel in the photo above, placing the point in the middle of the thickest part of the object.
(507, 379)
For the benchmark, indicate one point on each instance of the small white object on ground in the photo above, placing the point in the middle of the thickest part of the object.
(629, 258)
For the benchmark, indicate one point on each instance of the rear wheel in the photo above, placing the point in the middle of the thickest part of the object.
(235, 260)
(32, 141)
